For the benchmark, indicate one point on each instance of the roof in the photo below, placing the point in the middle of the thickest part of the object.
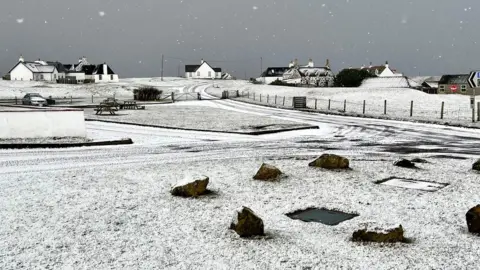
(194, 68)
(275, 71)
(314, 71)
(454, 79)
(389, 82)
(59, 66)
(36, 67)
(99, 70)
(191, 68)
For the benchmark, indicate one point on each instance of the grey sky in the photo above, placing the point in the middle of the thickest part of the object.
(427, 37)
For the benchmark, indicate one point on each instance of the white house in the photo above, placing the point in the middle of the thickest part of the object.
(202, 71)
(56, 71)
(382, 71)
(34, 71)
(309, 74)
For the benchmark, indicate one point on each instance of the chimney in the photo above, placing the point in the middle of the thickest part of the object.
(105, 70)
(327, 63)
(79, 60)
(363, 66)
(371, 65)
(386, 64)
(295, 62)
(310, 63)
(202, 61)
(290, 65)
(21, 59)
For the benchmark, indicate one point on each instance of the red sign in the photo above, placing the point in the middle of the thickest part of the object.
(453, 88)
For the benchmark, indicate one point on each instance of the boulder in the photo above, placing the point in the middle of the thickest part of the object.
(191, 187)
(371, 233)
(267, 172)
(476, 166)
(330, 162)
(419, 160)
(473, 219)
(246, 223)
(404, 163)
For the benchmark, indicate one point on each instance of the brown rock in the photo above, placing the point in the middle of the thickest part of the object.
(379, 235)
(476, 165)
(404, 163)
(191, 188)
(330, 162)
(473, 219)
(267, 172)
(246, 223)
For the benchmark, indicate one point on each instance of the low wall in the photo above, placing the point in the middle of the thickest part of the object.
(42, 123)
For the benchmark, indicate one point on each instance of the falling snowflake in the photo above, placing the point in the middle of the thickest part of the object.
(101, 13)
(20, 20)
(255, 7)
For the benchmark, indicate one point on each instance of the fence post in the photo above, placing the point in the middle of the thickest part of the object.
(15, 100)
(71, 100)
(199, 96)
(238, 93)
(275, 99)
(173, 97)
(283, 100)
(385, 107)
(478, 111)
(411, 108)
(92, 99)
(315, 104)
(260, 97)
(441, 111)
(254, 96)
(329, 104)
(345, 106)
(364, 105)
(268, 97)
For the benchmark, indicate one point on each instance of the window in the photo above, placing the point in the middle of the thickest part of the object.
(209, 74)
(442, 88)
(198, 73)
(41, 77)
(464, 88)
(111, 77)
(101, 77)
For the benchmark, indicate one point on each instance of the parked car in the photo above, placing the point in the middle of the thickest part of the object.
(34, 99)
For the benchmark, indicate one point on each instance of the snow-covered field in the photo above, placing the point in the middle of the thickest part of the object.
(110, 207)
(124, 88)
(425, 106)
(201, 115)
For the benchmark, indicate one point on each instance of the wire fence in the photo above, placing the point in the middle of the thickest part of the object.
(374, 108)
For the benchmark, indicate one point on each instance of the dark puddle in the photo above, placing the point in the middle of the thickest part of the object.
(324, 216)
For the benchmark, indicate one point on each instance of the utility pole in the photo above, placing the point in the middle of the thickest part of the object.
(261, 66)
(162, 67)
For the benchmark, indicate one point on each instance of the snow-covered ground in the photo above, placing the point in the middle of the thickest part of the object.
(110, 207)
(201, 115)
(425, 106)
(124, 88)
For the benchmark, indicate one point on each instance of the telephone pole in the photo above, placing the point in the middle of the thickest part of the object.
(162, 67)
(261, 66)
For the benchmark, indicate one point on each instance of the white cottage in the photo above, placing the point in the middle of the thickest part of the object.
(382, 71)
(34, 71)
(202, 71)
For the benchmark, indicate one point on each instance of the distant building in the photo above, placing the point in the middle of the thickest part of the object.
(454, 84)
(272, 74)
(202, 71)
(34, 71)
(381, 71)
(309, 74)
(57, 72)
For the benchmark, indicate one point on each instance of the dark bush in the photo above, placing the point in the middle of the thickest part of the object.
(351, 77)
(147, 93)
(6, 77)
(281, 83)
(88, 81)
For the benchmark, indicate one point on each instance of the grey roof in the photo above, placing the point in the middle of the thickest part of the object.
(454, 79)
(275, 71)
